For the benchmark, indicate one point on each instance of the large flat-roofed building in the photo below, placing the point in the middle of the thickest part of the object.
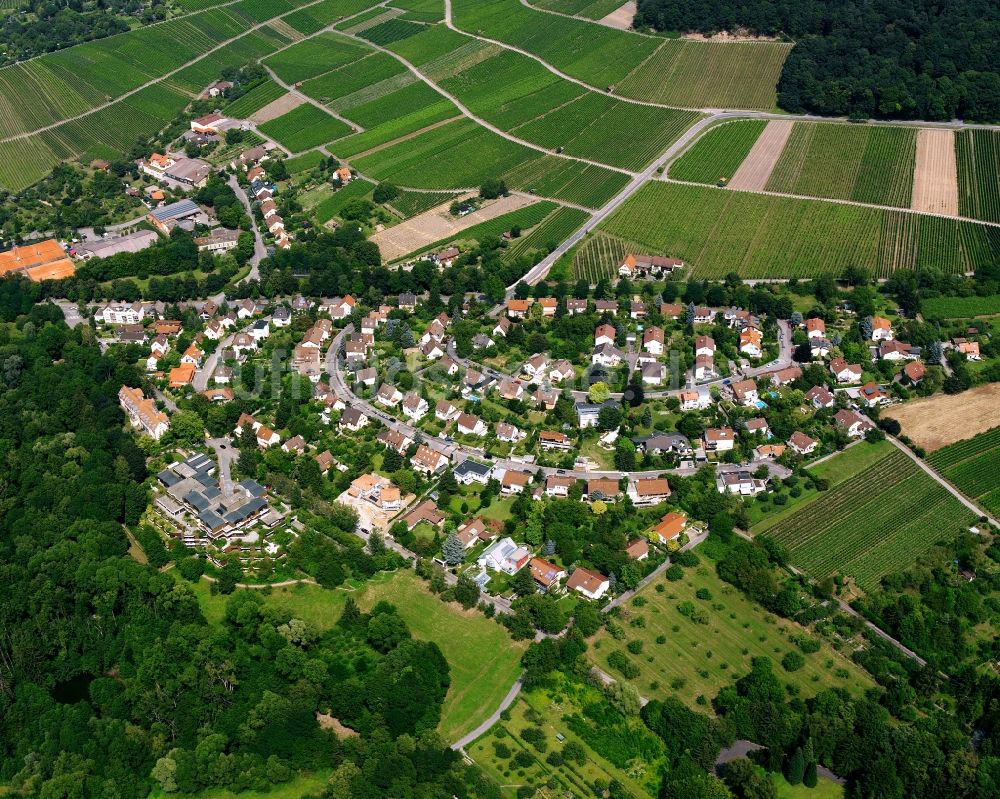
(219, 510)
(166, 217)
(105, 248)
(40, 260)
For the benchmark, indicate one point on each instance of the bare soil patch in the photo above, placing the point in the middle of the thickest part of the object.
(935, 174)
(935, 422)
(621, 18)
(328, 722)
(437, 224)
(276, 108)
(755, 171)
(738, 35)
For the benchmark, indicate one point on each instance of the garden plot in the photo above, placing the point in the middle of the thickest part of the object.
(935, 176)
(755, 171)
(437, 224)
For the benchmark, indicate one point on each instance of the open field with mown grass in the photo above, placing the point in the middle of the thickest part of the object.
(718, 153)
(876, 523)
(698, 654)
(960, 307)
(478, 682)
(978, 154)
(717, 231)
(549, 233)
(973, 466)
(870, 164)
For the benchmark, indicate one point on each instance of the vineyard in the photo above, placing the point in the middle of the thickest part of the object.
(759, 236)
(591, 9)
(960, 307)
(254, 100)
(461, 154)
(556, 227)
(421, 10)
(972, 466)
(391, 31)
(718, 153)
(978, 153)
(709, 75)
(522, 97)
(871, 164)
(524, 218)
(411, 203)
(305, 127)
(313, 57)
(330, 206)
(595, 54)
(872, 524)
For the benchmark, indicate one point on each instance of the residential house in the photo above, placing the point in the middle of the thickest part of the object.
(536, 366)
(604, 334)
(415, 407)
(802, 444)
(558, 485)
(690, 400)
(445, 411)
(561, 370)
(548, 439)
(281, 316)
(970, 349)
(782, 377)
(609, 307)
(745, 393)
(893, 350)
(549, 306)
(704, 367)
(576, 306)
(426, 512)
(508, 433)
(192, 355)
(815, 328)
(352, 419)
(470, 471)
(367, 376)
(664, 444)
(705, 346)
(470, 425)
(143, 413)
(751, 343)
(741, 483)
(852, 423)
(653, 374)
(820, 348)
(296, 444)
(845, 372)
(431, 350)
(671, 310)
(502, 327)
(546, 574)
(260, 330)
(606, 355)
(914, 372)
(517, 309)
(820, 397)
(670, 526)
(872, 394)
(246, 308)
(388, 395)
(590, 584)
(546, 397)
(429, 461)
(719, 439)
(637, 549)
(769, 452)
(481, 341)
(647, 491)
(757, 426)
(652, 340)
(881, 329)
(123, 314)
(504, 556)
(514, 482)
(394, 439)
(637, 309)
(604, 489)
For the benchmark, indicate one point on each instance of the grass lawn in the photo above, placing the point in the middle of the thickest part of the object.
(303, 784)
(840, 467)
(484, 661)
(825, 789)
(604, 458)
(499, 509)
(699, 659)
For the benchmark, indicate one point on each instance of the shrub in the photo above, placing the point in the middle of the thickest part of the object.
(635, 647)
(793, 661)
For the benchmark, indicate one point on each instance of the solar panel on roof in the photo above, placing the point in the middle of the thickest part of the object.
(168, 478)
(197, 501)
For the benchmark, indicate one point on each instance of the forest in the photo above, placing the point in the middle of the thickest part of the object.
(894, 59)
(112, 682)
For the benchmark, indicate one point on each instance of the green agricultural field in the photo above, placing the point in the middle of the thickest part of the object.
(561, 713)
(519, 95)
(709, 75)
(876, 523)
(391, 31)
(870, 164)
(313, 57)
(330, 206)
(421, 10)
(370, 70)
(718, 153)
(304, 162)
(478, 683)
(591, 9)
(960, 307)
(461, 154)
(978, 154)
(718, 231)
(556, 227)
(305, 127)
(972, 466)
(704, 651)
(411, 203)
(596, 54)
(254, 100)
